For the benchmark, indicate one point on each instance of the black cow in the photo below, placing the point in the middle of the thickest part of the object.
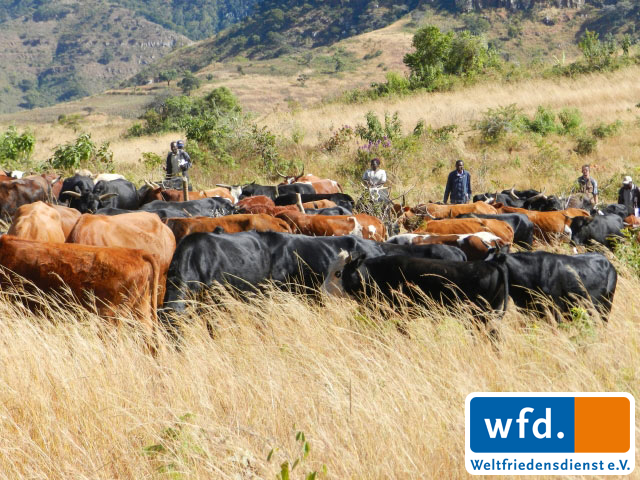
(125, 195)
(241, 261)
(483, 282)
(205, 207)
(340, 199)
(561, 279)
(520, 223)
(328, 211)
(604, 229)
(442, 252)
(543, 203)
(612, 209)
(76, 190)
(274, 192)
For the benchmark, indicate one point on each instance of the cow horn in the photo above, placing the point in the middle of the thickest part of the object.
(283, 176)
(148, 183)
(71, 193)
(427, 214)
(513, 195)
(56, 180)
(224, 185)
(536, 197)
(106, 196)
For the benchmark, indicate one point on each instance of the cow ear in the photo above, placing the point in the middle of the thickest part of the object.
(357, 259)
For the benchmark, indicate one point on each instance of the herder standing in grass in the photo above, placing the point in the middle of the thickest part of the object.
(629, 195)
(587, 185)
(458, 185)
(178, 161)
(375, 177)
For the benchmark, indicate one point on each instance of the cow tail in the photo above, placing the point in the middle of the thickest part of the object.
(155, 284)
(340, 187)
(504, 273)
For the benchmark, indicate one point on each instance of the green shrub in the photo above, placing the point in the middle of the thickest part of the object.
(151, 160)
(374, 130)
(16, 149)
(603, 130)
(497, 122)
(571, 119)
(83, 153)
(585, 144)
(543, 122)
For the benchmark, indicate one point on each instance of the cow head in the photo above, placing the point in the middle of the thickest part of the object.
(234, 190)
(580, 230)
(339, 279)
(289, 179)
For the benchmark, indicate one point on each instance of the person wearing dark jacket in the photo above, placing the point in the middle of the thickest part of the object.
(178, 161)
(458, 185)
(629, 195)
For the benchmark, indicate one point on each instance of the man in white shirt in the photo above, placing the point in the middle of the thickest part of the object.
(375, 177)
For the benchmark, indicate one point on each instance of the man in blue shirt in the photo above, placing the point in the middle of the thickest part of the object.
(458, 185)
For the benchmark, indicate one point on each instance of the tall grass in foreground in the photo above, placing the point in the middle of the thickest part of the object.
(78, 400)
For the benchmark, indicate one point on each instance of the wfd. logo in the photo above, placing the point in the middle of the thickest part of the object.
(550, 433)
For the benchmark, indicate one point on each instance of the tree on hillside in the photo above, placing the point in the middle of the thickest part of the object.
(438, 55)
(167, 76)
(189, 83)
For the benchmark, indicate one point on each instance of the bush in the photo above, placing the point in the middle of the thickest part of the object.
(543, 122)
(586, 144)
(603, 130)
(83, 153)
(374, 131)
(497, 122)
(571, 119)
(151, 160)
(16, 149)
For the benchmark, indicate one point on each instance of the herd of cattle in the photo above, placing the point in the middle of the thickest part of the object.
(149, 249)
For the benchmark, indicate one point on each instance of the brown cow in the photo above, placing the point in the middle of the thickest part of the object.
(68, 217)
(121, 278)
(322, 225)
(141, 230)
(318, 204)
(320, 185)
(37, 221)
(547, 225)
(15, 193)
(256, 204)
(475, 245)
(436, 211)
(181, 227)
(372, 227)
(632, 221)
(468, 225)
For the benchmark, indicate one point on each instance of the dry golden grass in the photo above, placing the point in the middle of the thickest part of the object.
(77, 402)
(600, 97)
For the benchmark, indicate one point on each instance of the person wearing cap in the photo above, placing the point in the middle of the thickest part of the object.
(458, 185)
(375, 177)
(178, 161)
(587, 185)
(629, 195)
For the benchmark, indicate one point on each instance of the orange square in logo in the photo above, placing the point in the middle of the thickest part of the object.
(602, 424)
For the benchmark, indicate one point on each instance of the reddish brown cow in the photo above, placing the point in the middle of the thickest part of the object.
(547, 225)
(632, 221)
(436, 211)
(372, 227)
(322, 225)
(16, 193)
(318, 204)
(120, 278)
(181, 227)
(141, 230)
(37, 221)
(320, 185)
(68, 217)
(468, 225)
